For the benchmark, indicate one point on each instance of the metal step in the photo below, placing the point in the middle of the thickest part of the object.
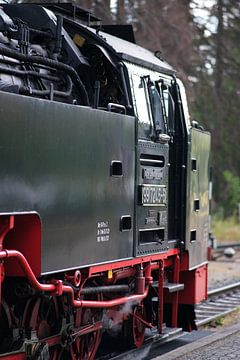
(171, 287)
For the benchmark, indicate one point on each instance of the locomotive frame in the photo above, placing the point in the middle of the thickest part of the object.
(104, 188)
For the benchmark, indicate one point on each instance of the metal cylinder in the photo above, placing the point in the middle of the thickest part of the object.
(140, 282)
(104, 289)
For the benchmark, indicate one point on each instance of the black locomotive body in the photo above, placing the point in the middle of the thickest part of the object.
(104, 188)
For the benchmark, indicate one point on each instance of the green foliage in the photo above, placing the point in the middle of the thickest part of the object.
(219, 321)
(232, 193)
(217, 99)
(208, 52)
(225, 230)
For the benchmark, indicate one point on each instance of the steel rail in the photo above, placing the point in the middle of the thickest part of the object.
(223, 289)
(225, 246)
(217, 305)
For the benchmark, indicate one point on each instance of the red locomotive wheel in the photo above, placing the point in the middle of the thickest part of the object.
(6, 339)
(85, 347)
(138, 327)
(134, 328)
(42, 315)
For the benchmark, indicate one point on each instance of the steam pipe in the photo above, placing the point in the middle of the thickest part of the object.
(18, 72)
(53, 64)
(29, 91)
(104, 289)
(104, 304)
(57, 288)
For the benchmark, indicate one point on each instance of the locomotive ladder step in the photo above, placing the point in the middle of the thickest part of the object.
(171, 287)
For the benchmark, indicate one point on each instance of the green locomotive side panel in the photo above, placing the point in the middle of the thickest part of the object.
(197, 205)
(74, 166)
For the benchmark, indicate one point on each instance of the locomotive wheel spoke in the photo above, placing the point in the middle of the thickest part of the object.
(138, 325)
(5, 328)
(89, 344)
(42, 315)
(134, 328)
(85, 347)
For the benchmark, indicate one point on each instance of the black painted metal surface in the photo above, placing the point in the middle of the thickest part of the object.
(56, 161)
(197, 217)
(152, 218)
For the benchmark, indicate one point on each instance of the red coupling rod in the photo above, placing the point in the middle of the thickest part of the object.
(58, 288)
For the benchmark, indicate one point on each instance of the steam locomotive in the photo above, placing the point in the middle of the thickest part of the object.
(103, 188)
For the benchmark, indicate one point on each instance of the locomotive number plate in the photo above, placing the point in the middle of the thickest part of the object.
(153, 195)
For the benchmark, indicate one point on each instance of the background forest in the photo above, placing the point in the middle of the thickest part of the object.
(201, 39)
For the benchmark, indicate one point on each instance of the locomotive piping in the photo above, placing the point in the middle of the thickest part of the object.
(52, 63)
(26, 90)
(28, 73)
(57, 288)
(105, 289)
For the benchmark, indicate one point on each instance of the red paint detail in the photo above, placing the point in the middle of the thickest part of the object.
(160, 296)
(66, 289)
(58, 287)
(138, 325)
(140, 282)
(135, 261)
(26, 269)
(184, 261)
(169, 261)
(195, 285)
(146, 323)
(175, 296)
(209, 253)
(6, 224)
(74, 278)
(25, 237)
(19, 356)
(148, 274)
(107, 303)
(121, 274)
(87, 329)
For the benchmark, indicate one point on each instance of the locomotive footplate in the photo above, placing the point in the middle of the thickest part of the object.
(152, 198)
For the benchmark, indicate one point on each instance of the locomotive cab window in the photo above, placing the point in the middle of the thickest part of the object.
(152, 101)
(157, 107)
(141, 106)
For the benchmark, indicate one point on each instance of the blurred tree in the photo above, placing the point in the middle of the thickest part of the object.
(206, 52)
(232, 194)
(218, 91)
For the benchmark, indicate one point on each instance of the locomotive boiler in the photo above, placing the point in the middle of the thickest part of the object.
(103, 188)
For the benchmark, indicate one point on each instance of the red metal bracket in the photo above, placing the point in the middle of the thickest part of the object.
(160, 295)
(175, 296)
(6, 224)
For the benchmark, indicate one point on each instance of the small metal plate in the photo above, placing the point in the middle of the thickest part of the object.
(154, 195)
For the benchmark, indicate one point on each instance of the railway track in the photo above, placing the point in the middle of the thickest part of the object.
(221, 302)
